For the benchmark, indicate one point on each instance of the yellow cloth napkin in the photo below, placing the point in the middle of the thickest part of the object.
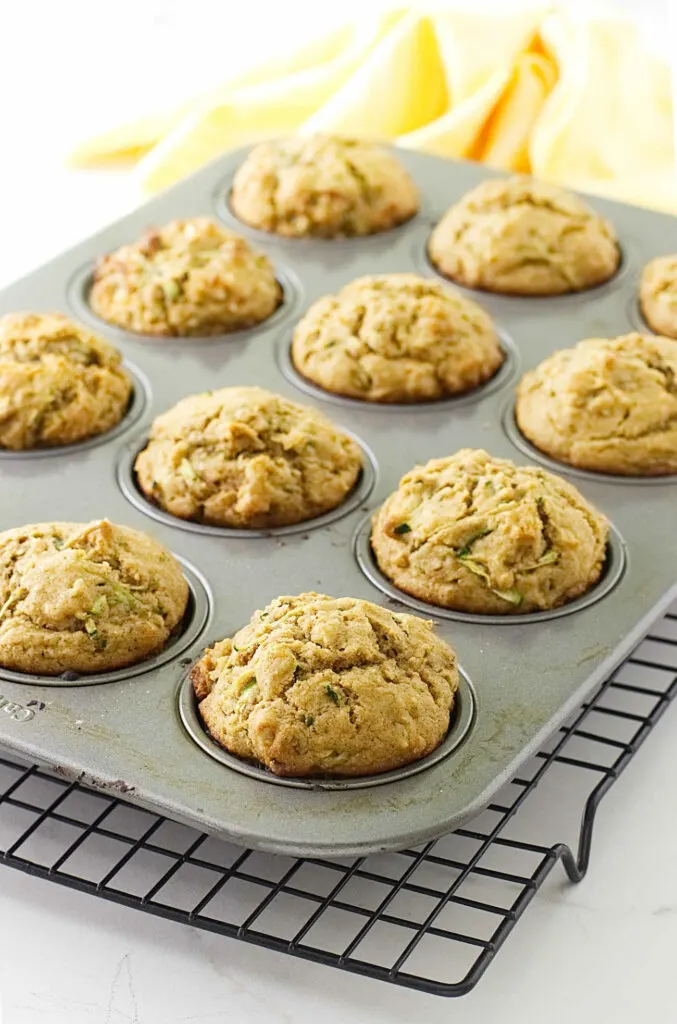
(504, 140)
(473, 45)
(575, 100)
(607, 126)
(399, 86)
(477, 55)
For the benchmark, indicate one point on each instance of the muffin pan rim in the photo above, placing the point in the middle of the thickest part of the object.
(459, 728)
(357, 496)
(80, 284)
(638, 320)
(139, 402)
(527, 447)
(200, 603)
(610, 577)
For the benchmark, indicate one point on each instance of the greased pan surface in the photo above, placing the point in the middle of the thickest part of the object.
(127, 734)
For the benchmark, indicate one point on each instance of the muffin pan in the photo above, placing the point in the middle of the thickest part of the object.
(137, 732)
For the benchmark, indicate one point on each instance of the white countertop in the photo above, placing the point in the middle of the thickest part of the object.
(600, 951)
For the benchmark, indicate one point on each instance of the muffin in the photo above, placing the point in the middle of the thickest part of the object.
(323, 187)
(524, 237)
(317, 685)
(396, 338)
(658, 295)
(85, 597)
(244, 457)
(608, 405)
(479, 534)
(59, 383)
(190, 277)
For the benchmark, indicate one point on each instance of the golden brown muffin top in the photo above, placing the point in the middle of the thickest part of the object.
(479, 534)
(524, 237)
(324, 187)
(59, 382)
(189, 277)
(85, 597)
(316, 685)
(396, 338)
(246, 457)
(607, 405)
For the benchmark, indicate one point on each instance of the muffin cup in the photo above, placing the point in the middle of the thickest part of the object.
(462, 719)
(80, 287)
(190, 629)
(611, 575)
(129, 486)
(509, 422)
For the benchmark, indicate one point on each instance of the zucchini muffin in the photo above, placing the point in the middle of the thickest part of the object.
(59, 383)
(479, 534)
(323, 187)
(524, 237)
(317, 685)
(608, 405)
(396, 338)
(188, 278)
(658, 295)
(245, 457)
(85, 597)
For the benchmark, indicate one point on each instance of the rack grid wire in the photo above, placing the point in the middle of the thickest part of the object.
(431, 918)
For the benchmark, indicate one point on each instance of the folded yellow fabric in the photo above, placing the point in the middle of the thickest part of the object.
(399, 86)
(454, 133)
(474, 45)
(611, 112)
(504, 142)
(608, 123)
(657, 191)
(477, 54)
(576, 100)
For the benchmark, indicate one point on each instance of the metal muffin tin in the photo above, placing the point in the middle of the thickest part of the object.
(133, 731)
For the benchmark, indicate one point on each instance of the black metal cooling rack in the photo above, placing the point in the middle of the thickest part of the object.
(430, 918)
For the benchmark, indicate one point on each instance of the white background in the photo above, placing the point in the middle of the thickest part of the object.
(602, 951)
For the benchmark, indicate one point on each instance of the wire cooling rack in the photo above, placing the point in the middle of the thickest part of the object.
(430, 918)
